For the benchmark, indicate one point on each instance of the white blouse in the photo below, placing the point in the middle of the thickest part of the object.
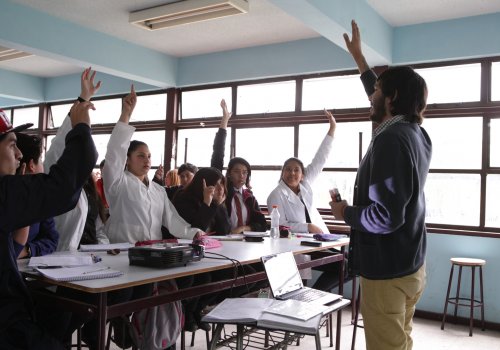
(137, 211)
(290, 207)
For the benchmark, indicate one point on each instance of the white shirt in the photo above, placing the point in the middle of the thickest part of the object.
(290, 207)
(71, 224)
(137, 211)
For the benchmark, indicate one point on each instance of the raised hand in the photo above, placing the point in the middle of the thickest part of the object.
(88, 88)
(354, 47)
(208, 193)
(128, 105)
(333, 122)
(226, 115)
(79, 113)
(159, 173)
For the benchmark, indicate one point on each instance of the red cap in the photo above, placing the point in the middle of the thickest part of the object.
(6, 126)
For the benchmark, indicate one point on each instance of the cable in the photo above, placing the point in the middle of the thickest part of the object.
(236, 263)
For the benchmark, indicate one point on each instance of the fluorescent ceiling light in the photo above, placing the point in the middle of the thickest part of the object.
(7, 54)
(185, 12)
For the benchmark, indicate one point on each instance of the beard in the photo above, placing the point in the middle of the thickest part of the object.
(378, 112)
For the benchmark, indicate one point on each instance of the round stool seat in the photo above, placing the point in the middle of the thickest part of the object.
(468, 261)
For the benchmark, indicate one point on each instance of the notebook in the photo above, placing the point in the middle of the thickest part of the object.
(285, 282)
(80, 273)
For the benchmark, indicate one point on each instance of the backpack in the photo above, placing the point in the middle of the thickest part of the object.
(158, 327)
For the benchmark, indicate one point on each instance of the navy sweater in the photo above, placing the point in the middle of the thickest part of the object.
(28, 199)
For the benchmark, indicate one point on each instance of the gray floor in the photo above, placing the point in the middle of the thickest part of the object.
(427, 335)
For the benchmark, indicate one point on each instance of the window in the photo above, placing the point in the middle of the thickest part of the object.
(492, 201)
(26, 115)
(343, 180)
(263, 182)
(107, 111)
(345, 148)
(150, 107)
(456, 142)
(266, 98)
(461, 83)
(265, 146)
(495, 81)
(57, 115)
(199, 144)
(334, 92)
(453, 199)
(495, 143)
(204, 103)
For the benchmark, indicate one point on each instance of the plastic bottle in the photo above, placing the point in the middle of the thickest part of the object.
(275, 222)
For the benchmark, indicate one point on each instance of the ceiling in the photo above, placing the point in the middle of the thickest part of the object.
(264, 24)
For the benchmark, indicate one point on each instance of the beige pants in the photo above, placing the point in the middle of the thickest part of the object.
(387, 307)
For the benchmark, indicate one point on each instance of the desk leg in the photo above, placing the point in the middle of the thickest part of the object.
(239, 336)
(101, 319)
(318, 341)
(216, 336)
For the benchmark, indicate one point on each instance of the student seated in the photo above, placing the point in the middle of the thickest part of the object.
(42, 236)
(185, 174)
(30, 199)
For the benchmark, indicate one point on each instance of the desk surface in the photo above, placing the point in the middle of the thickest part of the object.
(245, 252)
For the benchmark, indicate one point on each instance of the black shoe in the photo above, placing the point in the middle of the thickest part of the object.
(121, 332)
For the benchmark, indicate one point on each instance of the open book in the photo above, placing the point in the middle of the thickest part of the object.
(79, 273)
(290, 315)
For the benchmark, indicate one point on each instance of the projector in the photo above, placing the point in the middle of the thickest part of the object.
(165, 254)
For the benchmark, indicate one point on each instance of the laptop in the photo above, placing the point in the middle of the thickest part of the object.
(285, 282)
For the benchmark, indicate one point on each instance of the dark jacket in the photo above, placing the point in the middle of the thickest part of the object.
(28, 199)
(256, 220)
(42, 239)
(387, 219)
(211, 218)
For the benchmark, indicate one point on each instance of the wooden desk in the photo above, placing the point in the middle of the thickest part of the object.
(245, 252)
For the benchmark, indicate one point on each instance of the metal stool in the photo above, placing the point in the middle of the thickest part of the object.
(462, 301)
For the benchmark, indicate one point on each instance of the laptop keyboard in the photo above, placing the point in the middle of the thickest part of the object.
(307, 295)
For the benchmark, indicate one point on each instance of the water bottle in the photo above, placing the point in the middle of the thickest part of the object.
(275, 222)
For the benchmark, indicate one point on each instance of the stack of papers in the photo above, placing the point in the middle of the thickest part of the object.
(79, 273)
(67, 259)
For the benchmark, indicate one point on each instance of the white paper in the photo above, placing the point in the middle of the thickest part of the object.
(61, 260)
(80, 273)
(104, 247)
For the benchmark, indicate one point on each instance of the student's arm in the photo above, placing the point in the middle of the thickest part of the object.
(46, 240)
(368, 77)
(41, 196)
(319, 160)
(177, 226)
(217, 160)
(197, 214)
(116, 152)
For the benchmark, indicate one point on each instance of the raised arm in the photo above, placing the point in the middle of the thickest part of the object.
(368, 77)
(354, 47)
(217, 160)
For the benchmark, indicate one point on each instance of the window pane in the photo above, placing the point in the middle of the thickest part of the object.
(334, 92)
(345, 149)
(8, 112)
(492, 201)
(155, 141)
(199, 146)
(150, 107)
(101, 143)
(263, 182)
(495, 142)
(495, 81)
(58, 112)
(460, 83)
(456, 142)
(453, 199)
(266, 98)
(26, 115)
(107, 111)
(204, 103)
(265, 146)
(344, 181)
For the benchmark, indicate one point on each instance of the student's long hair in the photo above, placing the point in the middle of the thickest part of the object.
(31, 148)
(211, 176)
(407, 91)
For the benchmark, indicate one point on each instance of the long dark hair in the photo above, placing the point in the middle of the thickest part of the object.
(211, 176)
(31, 148)
(292, 159)
(407, 91)
(230, 166)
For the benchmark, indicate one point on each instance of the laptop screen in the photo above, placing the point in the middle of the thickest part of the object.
(282, 273)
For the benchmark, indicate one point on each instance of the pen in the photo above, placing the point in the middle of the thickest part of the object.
(89, 272)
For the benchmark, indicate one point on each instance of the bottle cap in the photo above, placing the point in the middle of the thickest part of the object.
(275, 206)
